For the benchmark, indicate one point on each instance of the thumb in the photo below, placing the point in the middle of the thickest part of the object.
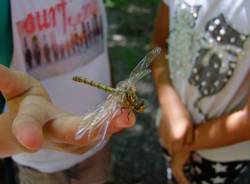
(28, 132)
(28, 126)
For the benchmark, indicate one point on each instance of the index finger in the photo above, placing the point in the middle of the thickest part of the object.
(13, 83)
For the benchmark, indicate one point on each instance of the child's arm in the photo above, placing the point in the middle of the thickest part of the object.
(223, 131)
(175, 128)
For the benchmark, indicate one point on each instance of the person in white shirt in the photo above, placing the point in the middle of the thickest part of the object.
(204, 88)
(52, 42)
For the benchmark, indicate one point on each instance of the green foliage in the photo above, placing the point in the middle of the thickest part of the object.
(127, 57)
(122, 3)
(132, 19)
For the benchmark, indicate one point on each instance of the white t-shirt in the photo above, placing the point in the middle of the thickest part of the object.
(53, 41)
(209, 59)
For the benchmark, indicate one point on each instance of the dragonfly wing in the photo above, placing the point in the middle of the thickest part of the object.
(95, 123)
(142, 68)
(141, 74)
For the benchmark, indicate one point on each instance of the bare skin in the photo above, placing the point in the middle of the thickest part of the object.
(223, 131)
(176, 129)
(32, 122)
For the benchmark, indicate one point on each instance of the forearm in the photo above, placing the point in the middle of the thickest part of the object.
(170, 102)
(168, 98)
(223, 131)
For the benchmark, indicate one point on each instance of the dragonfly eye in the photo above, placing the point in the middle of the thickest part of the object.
(139, 106)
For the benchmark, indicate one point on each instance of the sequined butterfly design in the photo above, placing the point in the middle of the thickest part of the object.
(123, 96)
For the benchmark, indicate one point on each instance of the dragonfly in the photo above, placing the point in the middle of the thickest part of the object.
(123, 96)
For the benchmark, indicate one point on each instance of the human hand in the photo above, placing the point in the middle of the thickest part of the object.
(33, 122)
(179, 159)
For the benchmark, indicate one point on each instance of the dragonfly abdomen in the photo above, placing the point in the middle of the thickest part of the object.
(96, 84)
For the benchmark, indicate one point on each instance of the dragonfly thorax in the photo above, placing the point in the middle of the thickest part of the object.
(131, 101)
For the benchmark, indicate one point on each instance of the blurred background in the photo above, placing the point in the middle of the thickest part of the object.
(137, 156)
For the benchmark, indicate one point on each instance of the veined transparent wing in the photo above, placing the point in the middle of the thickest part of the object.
(95, 123)
(142, 68)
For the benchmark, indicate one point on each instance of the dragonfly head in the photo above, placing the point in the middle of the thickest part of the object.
(139, 105)
(133, 102)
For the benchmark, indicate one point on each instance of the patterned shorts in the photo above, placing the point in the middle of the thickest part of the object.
(203, 171)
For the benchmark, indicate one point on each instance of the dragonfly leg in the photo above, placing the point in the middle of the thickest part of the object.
(123, 108)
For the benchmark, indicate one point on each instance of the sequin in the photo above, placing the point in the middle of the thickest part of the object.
(222, 31)
(211, 28)
(229, 73)
(205, 92)
(216, 83)
(216, 66)
(217, 22)
(242, 37)
(183, 6)
(195, 70)
(181, 39)
(220, 55)
(232, 40)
